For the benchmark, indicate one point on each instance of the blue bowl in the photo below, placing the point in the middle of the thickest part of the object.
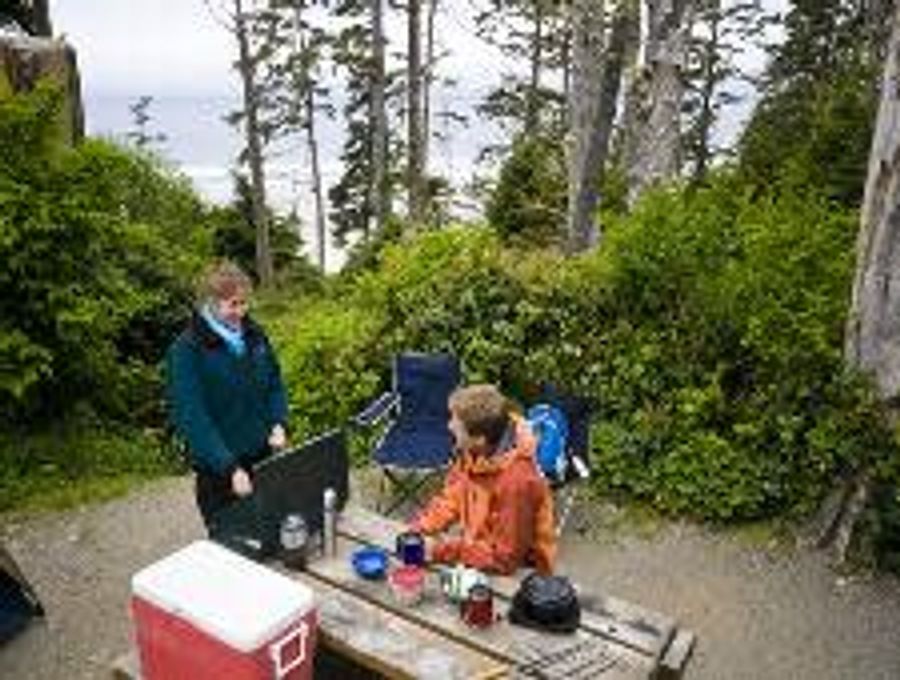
(370, 563)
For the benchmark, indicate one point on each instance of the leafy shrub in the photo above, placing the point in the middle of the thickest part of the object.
(98, 246)
(81, 458)
(327, 355)
(723, 382)
(707, 329)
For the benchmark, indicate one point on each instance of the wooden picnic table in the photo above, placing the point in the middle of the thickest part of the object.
(361, 621)
(618, 641)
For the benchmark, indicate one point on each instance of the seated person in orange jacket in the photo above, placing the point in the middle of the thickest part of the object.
(494, 490)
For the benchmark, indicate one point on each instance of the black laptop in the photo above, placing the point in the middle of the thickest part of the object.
(293, 481)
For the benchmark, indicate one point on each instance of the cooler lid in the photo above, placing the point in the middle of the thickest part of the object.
(237, 601)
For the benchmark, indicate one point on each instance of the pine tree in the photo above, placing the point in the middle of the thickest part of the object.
(813, 124)
(653, 153)
(537, 34)
(597, 65)
(721, 33)
(353, 197)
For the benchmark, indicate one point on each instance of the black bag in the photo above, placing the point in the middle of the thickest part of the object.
(546, 603)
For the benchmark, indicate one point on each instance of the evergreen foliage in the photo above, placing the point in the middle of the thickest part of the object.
(813, 126)
(233, 238)
(528, 203)
(351, 196)
(98, 246)
(708, 330)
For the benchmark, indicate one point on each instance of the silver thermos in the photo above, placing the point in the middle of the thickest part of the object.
(329, 517)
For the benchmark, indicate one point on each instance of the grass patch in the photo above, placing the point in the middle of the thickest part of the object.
(774, 535)
(75, 463)
(61, 494)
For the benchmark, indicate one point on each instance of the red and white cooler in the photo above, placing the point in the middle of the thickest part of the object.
(206, 613)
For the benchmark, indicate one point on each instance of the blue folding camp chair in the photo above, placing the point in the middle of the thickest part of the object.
(416, 444)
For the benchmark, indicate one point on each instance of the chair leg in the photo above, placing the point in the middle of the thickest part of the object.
(565, 500)
(405, 488)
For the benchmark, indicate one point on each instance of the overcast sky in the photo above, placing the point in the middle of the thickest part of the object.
(176, 52)
(175, 47)
(146, 46)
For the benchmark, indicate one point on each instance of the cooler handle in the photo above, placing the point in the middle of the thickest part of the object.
(275, 649)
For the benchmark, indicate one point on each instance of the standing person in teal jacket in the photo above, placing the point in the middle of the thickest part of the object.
(224, 388)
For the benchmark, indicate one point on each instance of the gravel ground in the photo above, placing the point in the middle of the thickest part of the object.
(758, 613)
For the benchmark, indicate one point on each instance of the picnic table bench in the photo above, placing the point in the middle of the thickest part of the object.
(362, 623)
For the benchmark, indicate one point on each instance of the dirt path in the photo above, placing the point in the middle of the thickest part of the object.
(757, 614)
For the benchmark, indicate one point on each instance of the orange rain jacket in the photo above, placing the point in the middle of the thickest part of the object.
(503, 505)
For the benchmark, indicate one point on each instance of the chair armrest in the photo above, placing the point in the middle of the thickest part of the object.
(377, 410)
(580, 467)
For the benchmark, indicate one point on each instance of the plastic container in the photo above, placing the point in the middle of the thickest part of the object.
(457, 581)
(407, 584)
(369, 563)
(206, 613)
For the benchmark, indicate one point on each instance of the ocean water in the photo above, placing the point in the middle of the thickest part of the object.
(202, 146)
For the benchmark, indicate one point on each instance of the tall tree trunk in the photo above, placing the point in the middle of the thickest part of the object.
(312, 144)
(873, 330)
(247, 70)
(706, 116)
(877, 17)
(657, 151)
(566, 58)
(632, 72)
(596, 78)
(537, 56)
(414, 113)
(430, 63)
(873, 325)
(379, 197)
(40, 11)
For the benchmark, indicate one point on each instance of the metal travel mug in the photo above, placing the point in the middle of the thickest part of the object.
(411, 548)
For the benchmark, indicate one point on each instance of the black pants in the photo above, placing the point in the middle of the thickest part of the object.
(213, 492)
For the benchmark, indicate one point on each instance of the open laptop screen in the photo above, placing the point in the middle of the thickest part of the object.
(293, 481)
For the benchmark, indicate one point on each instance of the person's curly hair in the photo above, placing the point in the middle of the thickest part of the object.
(483, 410)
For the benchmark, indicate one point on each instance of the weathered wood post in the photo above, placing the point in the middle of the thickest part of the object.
(26, 59)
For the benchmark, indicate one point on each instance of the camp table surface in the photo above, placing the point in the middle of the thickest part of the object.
(360, 620)
(621, 642)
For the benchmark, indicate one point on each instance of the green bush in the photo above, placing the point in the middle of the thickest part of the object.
(327, 354)
(707, 329)
(98, 246)
(723, 386)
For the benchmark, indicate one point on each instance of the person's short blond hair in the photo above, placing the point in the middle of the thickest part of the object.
(223, 279)
(483, 411)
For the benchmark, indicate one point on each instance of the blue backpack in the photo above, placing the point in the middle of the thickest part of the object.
(551, 430)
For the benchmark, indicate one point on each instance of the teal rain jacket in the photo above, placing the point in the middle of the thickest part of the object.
(223, 405)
